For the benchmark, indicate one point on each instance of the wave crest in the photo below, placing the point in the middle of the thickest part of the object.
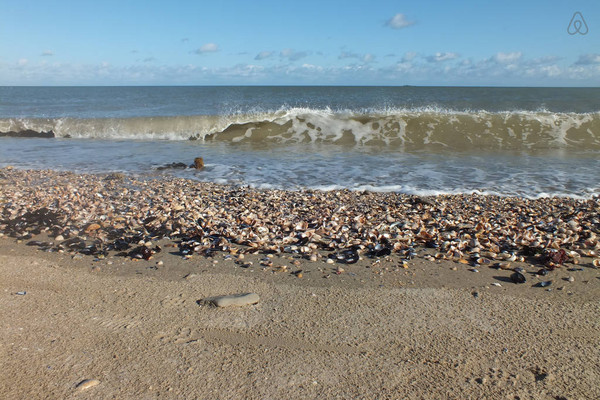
(401, 129)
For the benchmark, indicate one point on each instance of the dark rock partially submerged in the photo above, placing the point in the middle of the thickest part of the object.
(28, 133)
(175, 165)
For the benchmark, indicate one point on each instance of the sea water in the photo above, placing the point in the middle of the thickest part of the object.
(527, 142)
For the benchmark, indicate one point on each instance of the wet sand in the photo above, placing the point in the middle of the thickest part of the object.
(383, 327)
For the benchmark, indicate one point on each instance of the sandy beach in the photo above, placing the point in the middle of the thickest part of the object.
(428, 319)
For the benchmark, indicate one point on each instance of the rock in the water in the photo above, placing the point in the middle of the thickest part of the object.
(87, 383)
(242, 299)
(198, 163)
(29, 134)
(175, 165)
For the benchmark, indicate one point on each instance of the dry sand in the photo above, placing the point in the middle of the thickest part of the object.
(426, 332)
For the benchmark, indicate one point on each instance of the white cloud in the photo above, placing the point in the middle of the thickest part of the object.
(347, 54)
(47, 53)
(506, 58)
(399, 21)
(544, 60)
(439, 57)
(207, 48)
(409, 56)
(588, 59)
(366, 58)
(263, 54)
(413, 70)
(293, 55)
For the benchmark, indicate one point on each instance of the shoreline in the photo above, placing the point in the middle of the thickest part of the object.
(397, 325)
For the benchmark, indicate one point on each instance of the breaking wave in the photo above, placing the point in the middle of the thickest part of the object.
(395, 129)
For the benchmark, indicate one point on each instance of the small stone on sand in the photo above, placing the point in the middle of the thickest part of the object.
(242, 299)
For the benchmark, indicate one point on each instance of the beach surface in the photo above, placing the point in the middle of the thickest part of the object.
(387, 326)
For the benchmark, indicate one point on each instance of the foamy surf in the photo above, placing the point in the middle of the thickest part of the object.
(398, 129)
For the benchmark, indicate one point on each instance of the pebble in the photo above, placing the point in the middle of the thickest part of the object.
(571, 279)
(330, 261)
(242, 299)
(59, 238)
(87, 384)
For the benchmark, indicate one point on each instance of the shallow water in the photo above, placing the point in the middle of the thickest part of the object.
(509, 141)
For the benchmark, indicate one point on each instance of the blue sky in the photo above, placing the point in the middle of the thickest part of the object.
(507, 43)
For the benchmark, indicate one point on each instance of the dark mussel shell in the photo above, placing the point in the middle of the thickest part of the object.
(349, 256)
(518, 277)
(141, 252)
(543, 272)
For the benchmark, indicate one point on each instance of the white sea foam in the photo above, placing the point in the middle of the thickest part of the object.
(395, 128)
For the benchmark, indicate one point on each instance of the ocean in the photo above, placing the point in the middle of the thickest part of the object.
(526, 142)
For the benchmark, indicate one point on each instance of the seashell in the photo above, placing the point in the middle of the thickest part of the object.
(503, 265)
(596, 262)
(544, 284)
(87, 384)
(489, 254)
(573, 224)
(507, 257)
(518, 277)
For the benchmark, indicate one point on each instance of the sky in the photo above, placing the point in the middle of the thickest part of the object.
(265, 42)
